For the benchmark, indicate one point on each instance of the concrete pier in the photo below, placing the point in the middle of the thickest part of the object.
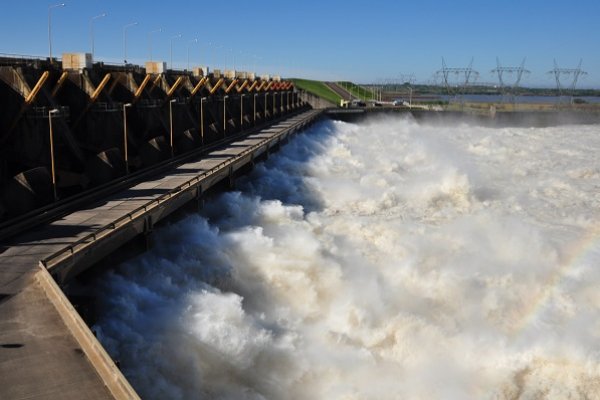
(46, 350)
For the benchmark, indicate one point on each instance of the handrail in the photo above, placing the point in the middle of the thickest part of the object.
(152, 204)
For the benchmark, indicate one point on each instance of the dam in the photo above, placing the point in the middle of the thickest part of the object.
(130, 146)
(106, 152)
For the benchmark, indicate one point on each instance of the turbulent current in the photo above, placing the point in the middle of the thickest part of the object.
(383, 260)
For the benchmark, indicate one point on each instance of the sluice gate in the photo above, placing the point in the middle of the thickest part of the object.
(68, 129)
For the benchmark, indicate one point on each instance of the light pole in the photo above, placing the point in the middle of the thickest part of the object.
(254, 57)
(52, 170)
(254, 118)
(241, 111)
(227, 51)
(92, 30)
(224, 115)
(125, 107)
(265, 114)
(125, 27)
(217, 53)
(150, 40)
(171, 125)
(202, 100)
(171, 51)
(188, 51)
(209, 59)
(50, 26)
(241, 61)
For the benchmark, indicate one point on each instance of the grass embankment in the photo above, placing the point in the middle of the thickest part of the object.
(357, 91)
(318, 89)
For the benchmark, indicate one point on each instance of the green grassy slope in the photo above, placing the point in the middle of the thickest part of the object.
(317, 88)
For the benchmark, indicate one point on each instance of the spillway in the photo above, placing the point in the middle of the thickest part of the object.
(385, 259)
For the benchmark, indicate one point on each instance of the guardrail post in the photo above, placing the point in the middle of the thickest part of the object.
(231, 177)
(199, 198)
(148, 232)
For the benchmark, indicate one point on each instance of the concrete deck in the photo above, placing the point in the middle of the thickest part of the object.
(46, 350)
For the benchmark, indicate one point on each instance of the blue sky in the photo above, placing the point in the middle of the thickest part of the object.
(355, 40)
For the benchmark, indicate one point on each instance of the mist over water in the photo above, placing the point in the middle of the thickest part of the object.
(384, 260)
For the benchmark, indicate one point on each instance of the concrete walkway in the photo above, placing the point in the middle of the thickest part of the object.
(46, 350)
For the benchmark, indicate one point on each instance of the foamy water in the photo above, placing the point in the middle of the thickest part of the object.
(386, 260)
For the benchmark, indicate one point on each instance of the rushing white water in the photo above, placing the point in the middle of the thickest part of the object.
(385, 260)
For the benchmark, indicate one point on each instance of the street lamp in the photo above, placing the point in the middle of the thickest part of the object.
(171, 51)
(52, 169)
(217, 52)
(241, 111)
(202, 100)
(254, 57)
(265, 114)
(171, 125)
(224, 115)
(125, 107)
(209, 58)
(188, 51)
(254, 118)
(241, 61)
(50, 26)
(125, 39)
(150, 40)
(92, 30)
(226, 51)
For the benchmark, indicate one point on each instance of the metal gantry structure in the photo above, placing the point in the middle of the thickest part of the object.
(509, 89)
(464, 76)
(98, 123)
(574, 73)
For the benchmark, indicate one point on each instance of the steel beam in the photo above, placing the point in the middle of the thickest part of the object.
(199, 86)
(36, 89)
(173, 88)
(59, 83)
(231, 85)
(100, 87)
(217, 85)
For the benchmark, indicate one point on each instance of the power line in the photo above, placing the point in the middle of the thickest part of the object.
(574, 73)
(509, 89)
(463, 77)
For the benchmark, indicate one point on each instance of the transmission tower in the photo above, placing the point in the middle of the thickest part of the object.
(575, 73)
(509, 89)
(462, 78)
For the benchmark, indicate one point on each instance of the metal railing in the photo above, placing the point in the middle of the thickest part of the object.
(102, 106)
(11, 59)
(88, 240)
(42, 112)
(150, 103)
